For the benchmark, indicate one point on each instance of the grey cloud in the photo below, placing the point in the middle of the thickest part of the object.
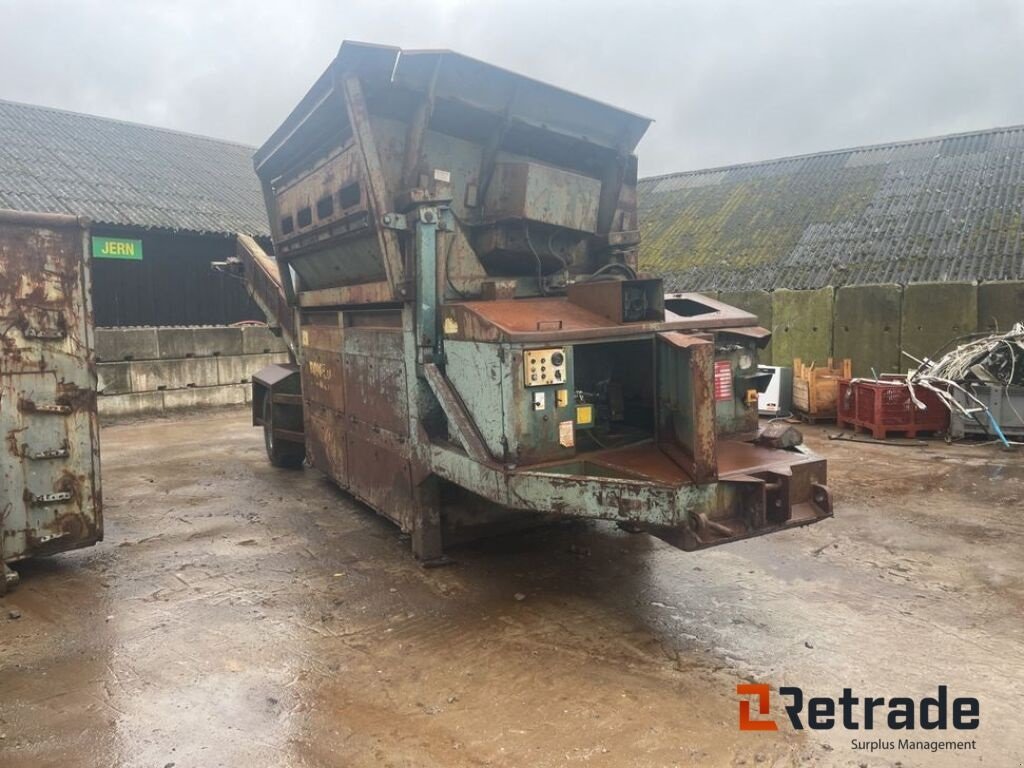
(726, 81)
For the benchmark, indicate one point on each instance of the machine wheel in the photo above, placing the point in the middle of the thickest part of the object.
(282, 453)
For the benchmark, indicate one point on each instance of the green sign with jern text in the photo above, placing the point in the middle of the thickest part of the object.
(116, 248)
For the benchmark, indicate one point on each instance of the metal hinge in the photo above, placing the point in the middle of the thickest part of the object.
(32, 333)
(50, 498)
(51, 408)
(53, 453)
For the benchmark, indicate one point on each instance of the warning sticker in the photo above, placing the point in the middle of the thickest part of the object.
(566, 436)
(723, 380)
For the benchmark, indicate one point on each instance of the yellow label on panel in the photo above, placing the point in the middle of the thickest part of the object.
(450, 326)
(566, 435)
(584, 414)
(562, 398)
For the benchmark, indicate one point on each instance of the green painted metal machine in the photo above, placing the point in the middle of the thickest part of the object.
(456, 272)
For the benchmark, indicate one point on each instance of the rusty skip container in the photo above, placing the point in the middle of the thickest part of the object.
(49, 466)
(456, 256)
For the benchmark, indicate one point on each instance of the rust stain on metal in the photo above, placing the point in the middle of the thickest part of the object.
(50, 470)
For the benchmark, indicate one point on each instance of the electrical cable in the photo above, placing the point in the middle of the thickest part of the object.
(614, 265)
(563, 262)
(540, 266)
(447, 266)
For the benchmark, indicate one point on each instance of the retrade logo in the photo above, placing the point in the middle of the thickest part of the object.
(823, 713)
(761, 693)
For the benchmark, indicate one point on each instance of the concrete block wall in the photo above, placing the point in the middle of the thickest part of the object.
(146, 370)
(802, 324)
(866, 328)
(1000, 305)
(934, 314)
(870, 324)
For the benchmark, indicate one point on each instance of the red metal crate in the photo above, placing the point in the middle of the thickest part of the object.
(885, 406)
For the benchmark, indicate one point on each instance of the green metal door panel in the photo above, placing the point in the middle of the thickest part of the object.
(535, 430)
(477, 373)
(459, 161)
(685, 403)
(732, 415)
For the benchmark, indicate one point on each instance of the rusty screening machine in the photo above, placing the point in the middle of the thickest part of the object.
(49, 467)
(456, 271)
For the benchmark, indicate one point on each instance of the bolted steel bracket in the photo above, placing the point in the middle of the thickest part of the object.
(396, 221)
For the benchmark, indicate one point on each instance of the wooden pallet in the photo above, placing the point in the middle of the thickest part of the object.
(815, 389)
(815, 418)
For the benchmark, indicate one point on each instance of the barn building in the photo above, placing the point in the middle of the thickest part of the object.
(163, 205)
(857, 253)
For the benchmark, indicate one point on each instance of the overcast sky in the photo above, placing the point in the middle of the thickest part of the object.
(725, 81)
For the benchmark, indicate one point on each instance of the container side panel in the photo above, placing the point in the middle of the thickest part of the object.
(375, 379)
(50, 494)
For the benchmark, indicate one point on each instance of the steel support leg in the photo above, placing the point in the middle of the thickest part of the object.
(425, 237)
(427, 544)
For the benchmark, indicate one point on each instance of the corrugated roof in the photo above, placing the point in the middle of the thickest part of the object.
(938, 209)
(122, 173)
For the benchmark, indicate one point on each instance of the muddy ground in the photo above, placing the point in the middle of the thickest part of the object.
(238, 615)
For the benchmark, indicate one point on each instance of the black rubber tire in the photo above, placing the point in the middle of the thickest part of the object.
(282, 453)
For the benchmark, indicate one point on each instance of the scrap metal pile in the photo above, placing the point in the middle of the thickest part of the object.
(996, 360)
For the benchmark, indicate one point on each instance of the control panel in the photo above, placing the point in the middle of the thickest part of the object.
(543, 367)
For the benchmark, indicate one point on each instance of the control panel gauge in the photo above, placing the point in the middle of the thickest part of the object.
(543, 367)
